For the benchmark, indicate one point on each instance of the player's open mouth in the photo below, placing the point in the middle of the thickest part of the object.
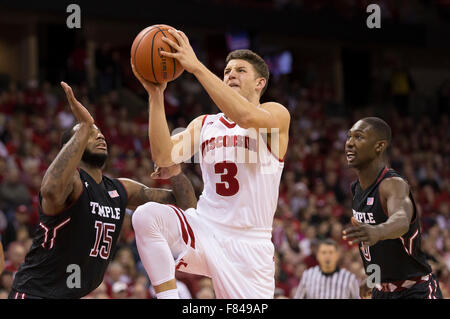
(102, 146)
(350, 156)
(233, 85)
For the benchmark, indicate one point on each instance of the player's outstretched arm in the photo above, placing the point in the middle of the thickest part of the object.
(269, 115)
(182, 193)
(61, 178)
(394, 194)
(167, 150)
(245, 114)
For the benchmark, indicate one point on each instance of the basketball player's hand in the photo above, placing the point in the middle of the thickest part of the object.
(150, 87)
(364, 291)
(361, 232)
(79, 111)
(185, 53)
(166, 172)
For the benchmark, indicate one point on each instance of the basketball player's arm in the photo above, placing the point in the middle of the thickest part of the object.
(182, 193)
(269, 115)
(394, 195)
(167, 150)
(62, 180)
(239, 109)
(364, 291)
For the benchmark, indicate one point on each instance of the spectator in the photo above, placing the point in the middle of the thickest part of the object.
(101, 292)
(15, 255)
(125, 258)
(139, 291)
(6, 280)
(3, 294)
(12, 192)
(119, 290)
(23, 220)
(115, 273)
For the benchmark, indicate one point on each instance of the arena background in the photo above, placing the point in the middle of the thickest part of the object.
(326, 66)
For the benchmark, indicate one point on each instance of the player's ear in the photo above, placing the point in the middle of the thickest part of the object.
(261, 83)
(380, 147)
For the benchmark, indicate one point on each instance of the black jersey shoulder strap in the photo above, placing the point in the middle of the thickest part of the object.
(121, 189)
(353, 187)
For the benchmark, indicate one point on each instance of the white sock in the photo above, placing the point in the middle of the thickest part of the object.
(168, 294)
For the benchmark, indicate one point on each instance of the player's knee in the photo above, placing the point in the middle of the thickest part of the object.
(146, 218)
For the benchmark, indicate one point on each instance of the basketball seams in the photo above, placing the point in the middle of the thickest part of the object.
(141, 59)
(136, 50)
(171, 50)
(151, 59)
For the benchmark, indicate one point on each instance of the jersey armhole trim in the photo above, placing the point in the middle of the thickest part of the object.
(62, 211)
(204, 119)
(385, 170)
(226, 122)
(382, 204)
(281, 160)
(126, 191)
(415, 212)
(352, 185)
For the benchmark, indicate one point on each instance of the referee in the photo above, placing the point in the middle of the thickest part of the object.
(327, 281)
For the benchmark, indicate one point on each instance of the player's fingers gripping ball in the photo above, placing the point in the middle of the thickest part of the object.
(146, 57)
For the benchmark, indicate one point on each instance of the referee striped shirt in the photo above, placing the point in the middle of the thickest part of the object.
(315, 284)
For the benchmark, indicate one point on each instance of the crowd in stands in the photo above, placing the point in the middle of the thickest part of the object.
(314, 196)
(400, 11)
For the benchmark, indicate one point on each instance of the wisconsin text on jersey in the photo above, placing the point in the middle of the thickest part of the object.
(243, 148)
(229, 141)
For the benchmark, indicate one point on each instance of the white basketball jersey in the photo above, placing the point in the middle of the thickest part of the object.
(241, 176)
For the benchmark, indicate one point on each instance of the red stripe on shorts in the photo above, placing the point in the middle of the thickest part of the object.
(191, 233)
(183, 227)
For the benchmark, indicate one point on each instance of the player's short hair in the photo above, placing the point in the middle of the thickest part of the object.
(328, 242)
(67, 135)
(254, 59)
(381, 128)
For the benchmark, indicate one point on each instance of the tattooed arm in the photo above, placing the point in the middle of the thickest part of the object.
(182, 193)
(61, 182)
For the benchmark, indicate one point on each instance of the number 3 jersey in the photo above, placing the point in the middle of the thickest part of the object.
(241, 176)
(71, 251)
(401, 258)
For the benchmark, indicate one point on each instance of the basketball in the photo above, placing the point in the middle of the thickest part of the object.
(146, 59)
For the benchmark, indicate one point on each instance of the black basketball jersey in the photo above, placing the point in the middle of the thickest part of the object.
(401, 258)
(71, 251)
